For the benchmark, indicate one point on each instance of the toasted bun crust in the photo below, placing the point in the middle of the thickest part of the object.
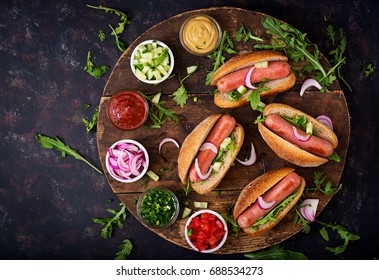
(244, 60)
(222, 100)
(192, 144)
(258, 187)
(285, 149)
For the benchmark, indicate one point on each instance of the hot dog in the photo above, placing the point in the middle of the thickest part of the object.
(269, 66)
(280, 188)
(292, 143)
(212, 132)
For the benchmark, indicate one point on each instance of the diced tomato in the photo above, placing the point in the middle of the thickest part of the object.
(219, 234)
(201, 246)
(195, 223)
(212, 240)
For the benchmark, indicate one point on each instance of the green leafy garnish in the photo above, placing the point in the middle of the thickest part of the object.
(125, 250)
(298, 121)
(297, 48)
(300, 219)
(369, 70)
(180, 95)
(328, 189)
(101, 35)
(276, 252)
(91, 124)
(187, 189)
(218, 57)
(120, 45)
(246, 34)
(334, 156)
(55, 143)
(342, 232)
(97, 71)
(331, 33)
(158, 114)
(108, 223)
(255, 98)
(229, 218)
(86, 106)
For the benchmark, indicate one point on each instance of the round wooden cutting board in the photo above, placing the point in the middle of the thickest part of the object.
(223, 198)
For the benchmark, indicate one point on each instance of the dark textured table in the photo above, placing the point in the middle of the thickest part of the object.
(47, 203)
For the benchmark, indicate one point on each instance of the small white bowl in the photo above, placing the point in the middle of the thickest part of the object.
(171, 55)
(143, 172)
(222, 221)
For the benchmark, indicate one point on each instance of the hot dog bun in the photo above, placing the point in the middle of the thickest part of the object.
(191, 146)
(258, 187)
(249, 59)
(289, 151)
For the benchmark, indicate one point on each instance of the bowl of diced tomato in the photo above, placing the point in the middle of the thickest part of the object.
(206, 231)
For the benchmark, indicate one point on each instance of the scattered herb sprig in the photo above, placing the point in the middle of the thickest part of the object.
(102, 37)
(91, 124)
(369, 70)
(328, 189)
(246, 34)
(126, 248)
(97, 71)
(218, 57)
(276, 252)
(229, 218)
(109, 223)
(55, 143)
(181, 94)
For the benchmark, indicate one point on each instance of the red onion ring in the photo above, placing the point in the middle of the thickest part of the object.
(265, 205)
(299, 137)
(209, 146)
(252, 158)
(308, 209)
(248, 78)
(325, 120)
(165, 140)
(309, 83)
(198, 171)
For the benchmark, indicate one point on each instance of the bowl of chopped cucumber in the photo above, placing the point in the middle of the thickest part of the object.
(158, 207)
(152, 61)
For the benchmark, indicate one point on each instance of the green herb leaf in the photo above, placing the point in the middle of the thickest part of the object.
(120, 45)
(91, 124)
(328, 189)
(276, 252)
(109, 223)
(300, 219)
(97, 71)
(369, 70)
(342, 232)
(246, 34)
(229, 218)
(55, 143)
(125, 249)
(180, 95)
(101, 35)
(334, 156)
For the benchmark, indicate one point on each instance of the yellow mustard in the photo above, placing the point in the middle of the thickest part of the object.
(200, 34)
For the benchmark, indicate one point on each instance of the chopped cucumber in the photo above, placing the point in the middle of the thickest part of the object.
(262, 64)
(217, 166)
(152, 175)
(192, 69)
(156, 98)
(151, 62)
(309, 128)
(186, 212)
(200, 204)
(225, 143)
(242, 89)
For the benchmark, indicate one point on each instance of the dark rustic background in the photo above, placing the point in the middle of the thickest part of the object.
(46, 203)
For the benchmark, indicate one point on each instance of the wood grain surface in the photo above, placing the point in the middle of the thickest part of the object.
(314, 103)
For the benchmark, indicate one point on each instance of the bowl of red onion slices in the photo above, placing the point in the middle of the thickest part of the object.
(127, 161)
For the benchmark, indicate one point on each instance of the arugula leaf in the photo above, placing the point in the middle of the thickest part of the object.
(369, 70)
(334, 156)
(246, 34)
(125, 250)
(218, 57)
(101, 35)
(158, 114)
(276, 252)
(298, 121)
(120, 45)
(180, 95)
(91, 124)
(328, 189)
(108, 223)
(331, 33)
(187, 189)
(229, 218)
(97, 71)
(299, 218)
(342, 232)
(255, 98)
(86, 106)
(51, 143)
(293, 42)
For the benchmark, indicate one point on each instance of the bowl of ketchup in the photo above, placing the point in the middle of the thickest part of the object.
(127, 109)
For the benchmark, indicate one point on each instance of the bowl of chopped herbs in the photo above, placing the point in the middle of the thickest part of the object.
(158, 207)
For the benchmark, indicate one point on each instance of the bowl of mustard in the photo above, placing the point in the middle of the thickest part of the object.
(200, 34)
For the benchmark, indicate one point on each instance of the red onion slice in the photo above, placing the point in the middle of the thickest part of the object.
(325, 120)
(308, 208)
(198, 171)
(265, 205)
(209, 146)
(248, 78)
(309, 83)
(252, 158)
(165, 140)
(299, 137)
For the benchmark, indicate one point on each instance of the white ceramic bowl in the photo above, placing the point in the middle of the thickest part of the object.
(133, 179)
(222, 221)
(172, 61)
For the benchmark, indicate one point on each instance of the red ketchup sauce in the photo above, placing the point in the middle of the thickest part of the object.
(127, 110)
